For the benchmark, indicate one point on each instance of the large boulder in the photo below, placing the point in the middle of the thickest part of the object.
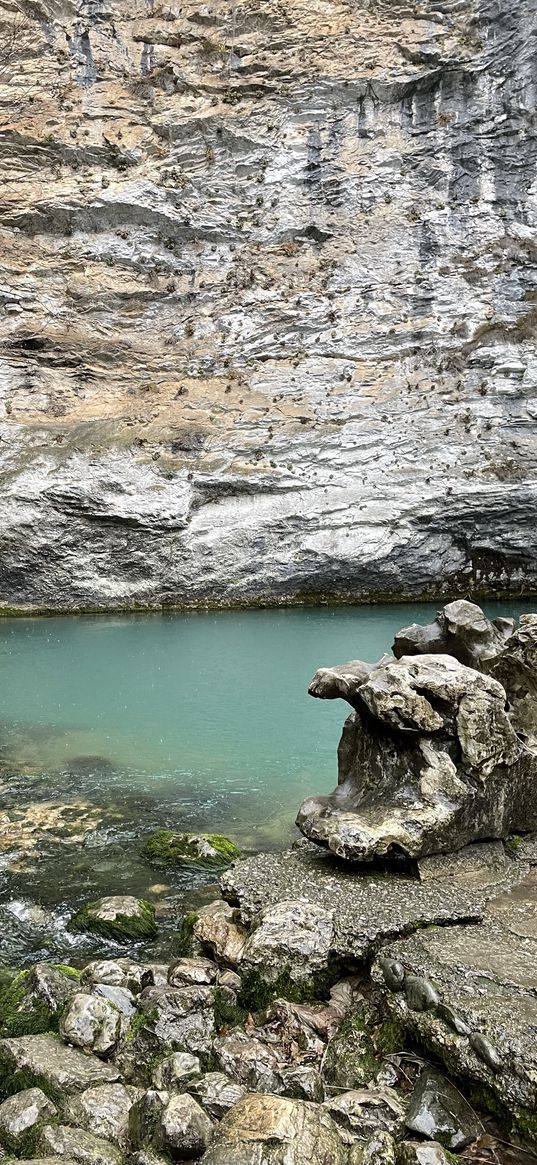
(86, 1148)
(433, 756)
(33, 1000)
(271, 1130)
(55, 1068)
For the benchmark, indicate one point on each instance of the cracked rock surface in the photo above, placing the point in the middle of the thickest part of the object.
(266, 300)
(438, 752)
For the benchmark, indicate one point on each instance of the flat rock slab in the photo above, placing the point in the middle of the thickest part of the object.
(370, 905)
(53, 1066)
(481, 1017)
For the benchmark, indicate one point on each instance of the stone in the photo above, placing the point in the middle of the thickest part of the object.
(365, 1112)
(430, 759)
(292, 937)
(120, 917)
(32, 1001)
(77, 1145)
(416, 1153)
(216, 1093)
(218, 931)
(21, 1118)
(208, 850)
(271, 1130)
(302, 1081)
(91, 1022)
(124, 973)
(438, 1111)
(186, 972)
(380, 1149)
(175, 1071)
(250, 1062)
(184, 1130)
(54, 1067)
(120, 998)
(173, 1123)
(180, 1018)
(103, 1111)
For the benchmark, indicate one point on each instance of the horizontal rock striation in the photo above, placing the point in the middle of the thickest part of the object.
(267, 300)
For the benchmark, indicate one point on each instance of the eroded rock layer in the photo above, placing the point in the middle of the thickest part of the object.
(267, 299)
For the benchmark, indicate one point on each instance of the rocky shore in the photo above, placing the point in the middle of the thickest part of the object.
(329, 1007)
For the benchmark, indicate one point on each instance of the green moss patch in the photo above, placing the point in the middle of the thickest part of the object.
(20, 1015)
(257, 993)
(208, 850)
(123, 928)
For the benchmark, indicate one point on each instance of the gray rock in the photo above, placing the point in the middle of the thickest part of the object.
(91, 1022)
(77, 1145)
(104, 1111)
(366, 1112)
(271, 1130)
(380, 1149)
(175, 1071)
(180, 1018)
(216, 1093)
(416, 1153)
(218, 931)
(52, 986)
(439, 1112)
(120, 998)
(485, 1025)
(250, 1062)
(184, 1130)
(189, 972)
(460, 629)
(52, 1065)
(290, 937)
(171, 1123)
(118, 973)
(400, 788)
(21, 1117)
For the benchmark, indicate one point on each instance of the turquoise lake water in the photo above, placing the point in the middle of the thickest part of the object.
(113, 726)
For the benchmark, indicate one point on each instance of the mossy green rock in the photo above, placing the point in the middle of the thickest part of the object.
(168, 848)
(32, 1001)
(120, 917)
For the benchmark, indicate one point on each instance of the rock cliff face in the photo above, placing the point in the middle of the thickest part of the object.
(267, 299)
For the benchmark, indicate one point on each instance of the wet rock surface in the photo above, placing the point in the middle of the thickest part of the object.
(438, 1111)
(267, 303)
(437, 753)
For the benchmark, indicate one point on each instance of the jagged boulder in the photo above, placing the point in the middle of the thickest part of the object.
(271, 1130)
(437, 753)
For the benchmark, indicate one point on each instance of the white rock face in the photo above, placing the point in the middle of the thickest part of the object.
(267, 300)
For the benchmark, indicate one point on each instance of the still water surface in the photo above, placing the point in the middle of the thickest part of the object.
(111, 727)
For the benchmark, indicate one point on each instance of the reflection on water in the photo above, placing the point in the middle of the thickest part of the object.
(113, 727)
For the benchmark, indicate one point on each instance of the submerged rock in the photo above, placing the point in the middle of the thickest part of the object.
(438, 1111)
(271, 1130)
(437, 753)
(120, 917)
(168, 848)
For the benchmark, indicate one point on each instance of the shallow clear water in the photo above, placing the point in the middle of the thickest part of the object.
(113, 726)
